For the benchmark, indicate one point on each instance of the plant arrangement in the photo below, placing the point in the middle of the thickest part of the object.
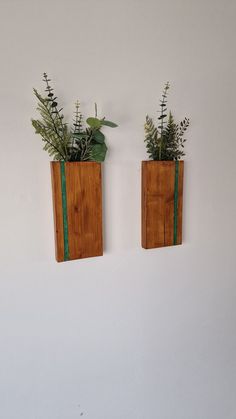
(166, 141)
(79, 143)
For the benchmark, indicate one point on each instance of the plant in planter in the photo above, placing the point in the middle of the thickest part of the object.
(162, 179)
(76, 175)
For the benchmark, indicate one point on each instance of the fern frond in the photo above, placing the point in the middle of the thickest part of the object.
(151, 138)
(51, 127)
(52, 143)
(150, 129)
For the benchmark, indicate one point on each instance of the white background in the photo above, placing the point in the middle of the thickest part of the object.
(134, 334)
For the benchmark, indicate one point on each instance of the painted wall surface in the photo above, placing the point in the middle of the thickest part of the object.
(135, 334)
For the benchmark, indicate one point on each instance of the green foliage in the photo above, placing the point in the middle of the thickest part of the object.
(94, 123)
(99, 152)
(165, 142)
(76, 144)
(151, 138)
(108, 123)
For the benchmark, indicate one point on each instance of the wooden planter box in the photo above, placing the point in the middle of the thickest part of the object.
(77, 207)
(162, 202)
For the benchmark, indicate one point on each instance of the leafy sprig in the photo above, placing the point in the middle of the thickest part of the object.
(166, 141)
(76, 144)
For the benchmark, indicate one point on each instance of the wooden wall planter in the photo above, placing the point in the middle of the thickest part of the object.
(162, 202)
(77, 206)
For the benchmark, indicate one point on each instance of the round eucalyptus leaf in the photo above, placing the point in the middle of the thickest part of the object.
(94, 122)
(98, 153)
(99, 137)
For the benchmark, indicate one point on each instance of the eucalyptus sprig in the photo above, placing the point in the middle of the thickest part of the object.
(79, 143)
(166, 141)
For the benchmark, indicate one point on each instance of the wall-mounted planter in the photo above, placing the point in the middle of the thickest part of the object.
(77, 206)
(162, 202)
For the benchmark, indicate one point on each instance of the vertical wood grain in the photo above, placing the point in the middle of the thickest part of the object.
(143, 205)
(84, 206)
(169, 182)
(158, 188)
(180, 202)
(57, 210)
(84, 209)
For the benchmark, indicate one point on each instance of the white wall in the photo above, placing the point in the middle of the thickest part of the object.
(135, 334)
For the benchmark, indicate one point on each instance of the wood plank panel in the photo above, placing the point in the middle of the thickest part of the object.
(158, 194)
(83, 208)
(180, 202)
(169, 182)
(57, 210)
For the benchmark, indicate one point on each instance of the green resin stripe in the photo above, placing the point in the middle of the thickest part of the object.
(64, 211)
(176, 190)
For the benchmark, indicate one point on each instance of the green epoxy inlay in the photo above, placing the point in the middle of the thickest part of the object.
(64, 211)
(176, 201)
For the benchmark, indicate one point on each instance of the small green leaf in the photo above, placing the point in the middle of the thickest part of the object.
(94, 122)
(98, 152)
(109, 123)
(80, 135)
(99, 137)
